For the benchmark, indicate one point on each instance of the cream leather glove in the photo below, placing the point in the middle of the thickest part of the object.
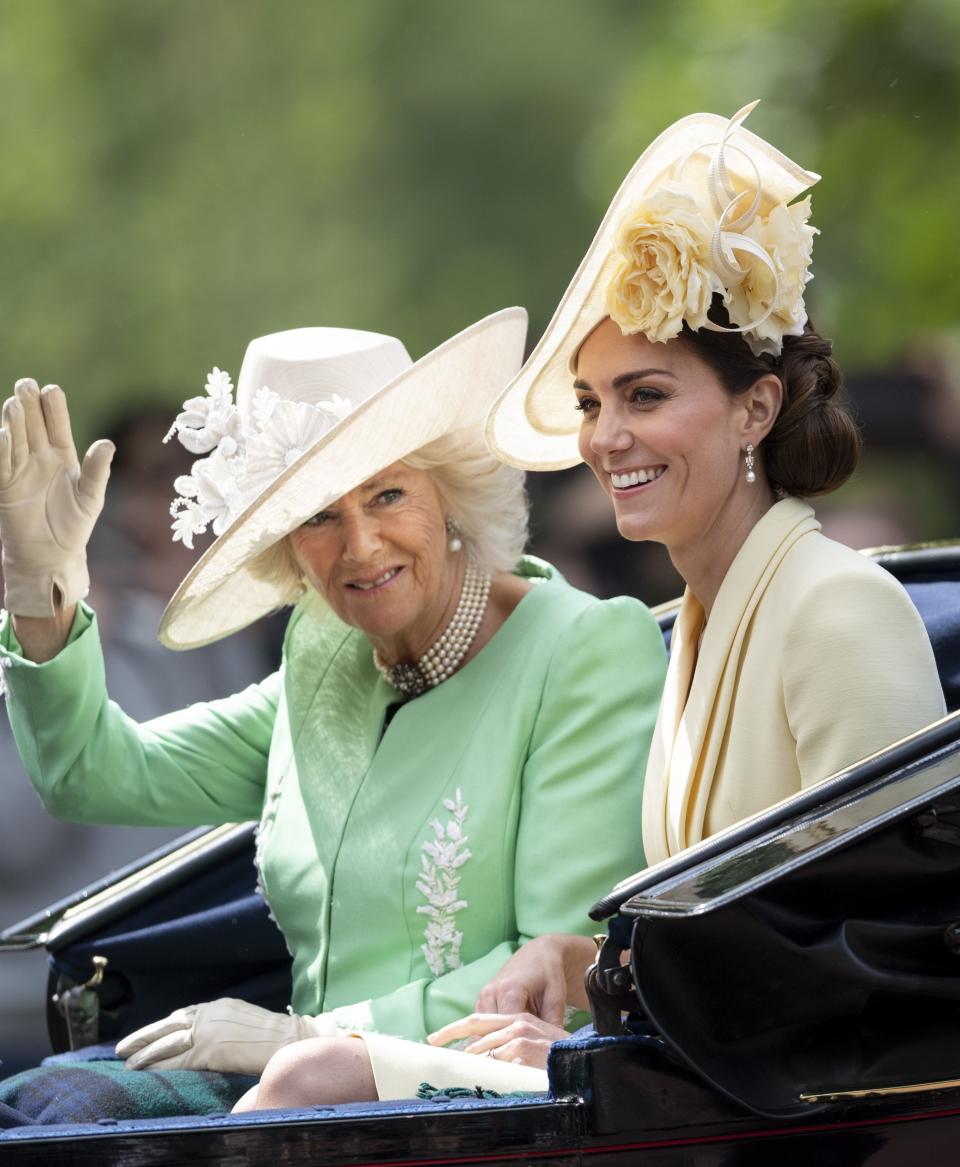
(48, 502)
(225, 1035)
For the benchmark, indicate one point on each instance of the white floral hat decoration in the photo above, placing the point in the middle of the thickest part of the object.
(707, 209)
(318, 411)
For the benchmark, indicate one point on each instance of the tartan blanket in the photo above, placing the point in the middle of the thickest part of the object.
(69, 1090)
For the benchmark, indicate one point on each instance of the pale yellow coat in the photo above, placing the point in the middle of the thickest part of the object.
(813, 658)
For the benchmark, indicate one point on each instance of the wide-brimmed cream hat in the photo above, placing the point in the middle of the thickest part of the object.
(703, 161)
(318, 412)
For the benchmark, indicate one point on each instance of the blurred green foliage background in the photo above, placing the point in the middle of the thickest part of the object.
(182, 175)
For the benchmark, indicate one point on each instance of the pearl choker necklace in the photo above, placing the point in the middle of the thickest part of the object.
(446, 654)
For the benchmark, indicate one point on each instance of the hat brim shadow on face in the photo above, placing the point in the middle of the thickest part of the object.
(534, 423)
(450, 388)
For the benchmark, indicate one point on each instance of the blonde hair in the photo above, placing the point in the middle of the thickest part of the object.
(484, 497)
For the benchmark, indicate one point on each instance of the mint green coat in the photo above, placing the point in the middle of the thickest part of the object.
(403, 864)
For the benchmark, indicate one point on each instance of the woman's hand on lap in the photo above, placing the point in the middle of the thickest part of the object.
(518, 1037)
(542, 977)
(227, 1034)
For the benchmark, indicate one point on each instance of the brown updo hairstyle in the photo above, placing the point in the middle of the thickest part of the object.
(814, 445)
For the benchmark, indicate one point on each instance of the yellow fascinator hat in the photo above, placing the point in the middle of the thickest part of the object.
(708, 209)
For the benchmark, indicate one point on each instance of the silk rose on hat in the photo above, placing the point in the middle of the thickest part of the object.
(672, 256)
(663, 275)
(787, 238)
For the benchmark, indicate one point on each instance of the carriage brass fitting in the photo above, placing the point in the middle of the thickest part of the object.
(80, 1006)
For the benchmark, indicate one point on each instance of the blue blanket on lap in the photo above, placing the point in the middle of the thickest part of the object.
(67, 1089)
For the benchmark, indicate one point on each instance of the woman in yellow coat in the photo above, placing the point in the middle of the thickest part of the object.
(709, 410)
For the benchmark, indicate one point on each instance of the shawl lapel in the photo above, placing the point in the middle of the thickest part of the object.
(700, 687)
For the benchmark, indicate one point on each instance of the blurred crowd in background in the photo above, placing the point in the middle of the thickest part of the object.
(182, 177)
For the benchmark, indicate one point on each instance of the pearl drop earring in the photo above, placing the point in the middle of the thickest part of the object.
(453, 530)
(748, 460)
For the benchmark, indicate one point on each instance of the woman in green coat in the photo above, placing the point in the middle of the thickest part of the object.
(450, 720)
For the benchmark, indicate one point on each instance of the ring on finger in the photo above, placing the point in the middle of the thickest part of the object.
(492, 1053)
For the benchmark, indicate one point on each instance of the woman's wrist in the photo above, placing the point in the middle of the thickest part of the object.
(44, 637)
(575, 954)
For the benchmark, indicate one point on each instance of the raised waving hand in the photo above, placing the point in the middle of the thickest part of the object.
(48, 502)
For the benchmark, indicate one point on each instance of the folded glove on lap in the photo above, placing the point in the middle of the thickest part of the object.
(226, 1034)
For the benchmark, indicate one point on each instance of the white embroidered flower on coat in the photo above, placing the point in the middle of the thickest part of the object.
(439, 883)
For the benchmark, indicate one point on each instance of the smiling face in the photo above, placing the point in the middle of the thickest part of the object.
(663, 436)
(379, 557)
